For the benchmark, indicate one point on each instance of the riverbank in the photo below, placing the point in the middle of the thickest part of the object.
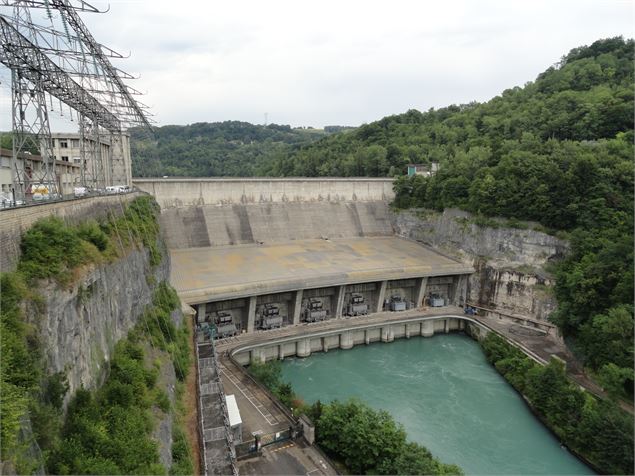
(448, 398)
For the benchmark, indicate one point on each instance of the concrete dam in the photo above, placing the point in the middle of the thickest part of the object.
(260, 253)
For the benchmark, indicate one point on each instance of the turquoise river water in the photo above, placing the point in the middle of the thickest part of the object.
(447, 397)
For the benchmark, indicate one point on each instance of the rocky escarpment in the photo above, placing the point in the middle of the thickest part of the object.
(78, 326)
(509, 262)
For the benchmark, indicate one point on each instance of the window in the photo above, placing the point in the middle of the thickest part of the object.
(63, 144)
(77, 160)
(65, 158)
(75, 143)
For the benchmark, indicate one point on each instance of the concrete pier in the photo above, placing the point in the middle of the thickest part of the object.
(258, 355)
(421, 291)
(346, 340)
(297, 307)
(251, 314)
(381, 296)
(345, 334)
(339, 300)
(303, 348)
(427, 328)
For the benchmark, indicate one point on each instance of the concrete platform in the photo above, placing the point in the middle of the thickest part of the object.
(226, 272)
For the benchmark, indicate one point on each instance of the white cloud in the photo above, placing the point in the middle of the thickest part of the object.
(341, 62)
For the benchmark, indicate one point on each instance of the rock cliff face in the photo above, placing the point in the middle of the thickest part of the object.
(80, 325)
(509, 262)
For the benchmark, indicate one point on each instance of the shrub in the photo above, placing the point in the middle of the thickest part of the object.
(92, 233)
(368, 441)
(598, 430)
(50, 248)
(181, 457)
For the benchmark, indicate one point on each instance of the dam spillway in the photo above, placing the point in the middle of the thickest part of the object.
(240, 245)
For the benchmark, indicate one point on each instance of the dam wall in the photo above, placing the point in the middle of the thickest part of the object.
(237, 224)
(203, 212)
(188, 192)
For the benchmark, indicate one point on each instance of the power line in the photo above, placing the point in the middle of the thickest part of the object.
(55, 55)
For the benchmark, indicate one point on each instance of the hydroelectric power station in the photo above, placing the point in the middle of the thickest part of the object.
(282, 267)
(312, 249)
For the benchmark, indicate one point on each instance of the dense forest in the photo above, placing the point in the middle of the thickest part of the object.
(560, 152)
(595, 429)
(227, 148)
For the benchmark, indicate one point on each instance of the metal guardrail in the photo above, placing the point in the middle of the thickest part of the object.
(538, 323)
(9, 204)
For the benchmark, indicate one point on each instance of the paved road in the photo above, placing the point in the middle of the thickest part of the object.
(287, 458)
(258, 412)
(256, 409)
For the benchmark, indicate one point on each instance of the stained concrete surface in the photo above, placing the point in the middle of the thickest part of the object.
(216, 273)
(236, 224)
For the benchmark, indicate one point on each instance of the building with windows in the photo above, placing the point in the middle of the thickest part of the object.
(76, 164)
(421, 169)
(107, 164)
(68, 174)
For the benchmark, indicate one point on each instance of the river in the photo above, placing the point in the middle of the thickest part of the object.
(448, 398)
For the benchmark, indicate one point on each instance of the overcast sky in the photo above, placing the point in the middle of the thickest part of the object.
(337, 62)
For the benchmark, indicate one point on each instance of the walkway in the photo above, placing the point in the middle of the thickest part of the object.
(545, 347)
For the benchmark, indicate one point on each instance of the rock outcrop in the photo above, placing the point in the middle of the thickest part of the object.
(509, 262)
(79, 326)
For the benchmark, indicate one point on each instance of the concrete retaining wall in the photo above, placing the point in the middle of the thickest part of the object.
(16, 221)
(171, 193)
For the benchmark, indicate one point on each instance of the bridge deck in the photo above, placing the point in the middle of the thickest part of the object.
(224, 272)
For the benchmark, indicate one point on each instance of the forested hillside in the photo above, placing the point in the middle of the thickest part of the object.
(558, 151)
(214, 149)
(586, 97)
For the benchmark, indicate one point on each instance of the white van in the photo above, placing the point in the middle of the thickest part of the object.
(80, 192)
(117, 189)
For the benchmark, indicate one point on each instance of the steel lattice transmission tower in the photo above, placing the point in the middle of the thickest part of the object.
(56, 57)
